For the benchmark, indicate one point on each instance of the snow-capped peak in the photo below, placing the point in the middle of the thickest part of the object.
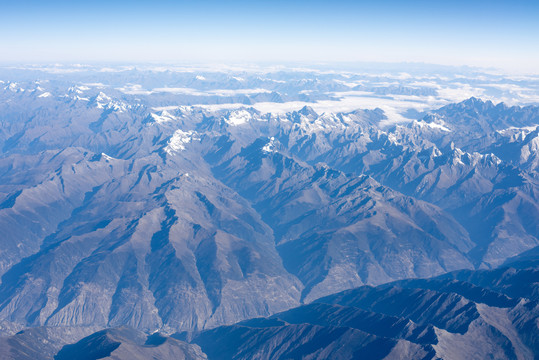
(104, 101)
(78, 89)
(179, 139)
(14, 87)
(102, 97)
(164, 117)
(238, 117)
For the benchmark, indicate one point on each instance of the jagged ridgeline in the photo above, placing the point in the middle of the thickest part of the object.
(232, 232)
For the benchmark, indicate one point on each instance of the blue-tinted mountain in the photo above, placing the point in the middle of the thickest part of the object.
(123, 205)
(428, 319)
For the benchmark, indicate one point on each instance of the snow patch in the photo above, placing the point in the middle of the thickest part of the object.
(163, 118)
(107, 157)
(104, 101)
(78, 89)
(178, 141)
(525, 129)
(102, 97)
(270, 146)
(238, 117)
(45, 94)
(14, 87)
(432, 125)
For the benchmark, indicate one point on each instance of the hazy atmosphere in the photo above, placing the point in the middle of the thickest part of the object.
(499, 34)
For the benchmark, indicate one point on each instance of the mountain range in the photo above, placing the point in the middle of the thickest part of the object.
(237, 233)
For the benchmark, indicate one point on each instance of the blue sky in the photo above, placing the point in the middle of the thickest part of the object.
(479, 33)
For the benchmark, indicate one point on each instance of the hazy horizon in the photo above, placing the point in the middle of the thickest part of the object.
(478, 33)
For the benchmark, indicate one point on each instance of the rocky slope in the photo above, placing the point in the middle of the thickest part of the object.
(412, 319)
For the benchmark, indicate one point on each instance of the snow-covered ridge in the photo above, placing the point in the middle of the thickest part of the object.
(75, 97)
(238, 117)
(102, 97)
(14, 87)
(465, 158)
(531, 148)
(163, 118)
(103, 101)
(78, 89)
(515, 130)
(179, 139)
(107, 157)
(326, 122)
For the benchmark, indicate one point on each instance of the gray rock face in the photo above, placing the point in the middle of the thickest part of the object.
(152, 253)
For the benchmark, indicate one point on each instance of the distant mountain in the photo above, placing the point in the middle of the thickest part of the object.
(487, 193)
